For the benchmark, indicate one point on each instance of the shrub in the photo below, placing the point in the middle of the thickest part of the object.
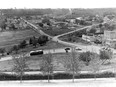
(42, 40)
(23, 44)
(85, 57)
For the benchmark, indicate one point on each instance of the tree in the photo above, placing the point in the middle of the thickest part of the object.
(15, 48)
(34, 41)
(2, 51)
(48, 24)
(13, 27)
(20, 66)
(100, 25)
(75, 63)
(9, 51)
(95, 64)
(85, 57)
(41, 25)
(47, 65)
(2, 24)
(105, 55)
(30, 41)
(92, 31)
(42, 40)
(46, 20)
(72, 63)
(23, 44)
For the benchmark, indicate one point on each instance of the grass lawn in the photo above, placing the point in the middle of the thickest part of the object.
(14, 37)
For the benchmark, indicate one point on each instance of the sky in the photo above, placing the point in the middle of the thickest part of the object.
(58, 3)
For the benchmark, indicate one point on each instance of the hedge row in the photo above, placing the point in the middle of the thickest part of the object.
(55, 76)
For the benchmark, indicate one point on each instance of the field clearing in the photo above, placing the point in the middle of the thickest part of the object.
(59, 62)
(14, 37)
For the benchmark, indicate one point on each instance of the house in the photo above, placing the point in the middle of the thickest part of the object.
(106, 19)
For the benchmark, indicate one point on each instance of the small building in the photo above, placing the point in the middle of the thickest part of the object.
(79, 18)
(89, 38)
(106, 19)
(72, 21)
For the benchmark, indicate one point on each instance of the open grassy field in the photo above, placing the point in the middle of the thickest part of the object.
(14, 37)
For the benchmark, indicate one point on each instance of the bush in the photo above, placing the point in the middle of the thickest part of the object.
(105, 55)
(30, 41)
(41, 25)
(2, 51)
(42, 40)
(15, 48)
(85, 57)
(23, 44)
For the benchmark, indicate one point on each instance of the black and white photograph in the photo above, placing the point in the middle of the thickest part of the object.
(58, 43)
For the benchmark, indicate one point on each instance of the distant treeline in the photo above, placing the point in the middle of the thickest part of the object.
(30, 12)
(92, 12)
(75, 12)
(25, 12)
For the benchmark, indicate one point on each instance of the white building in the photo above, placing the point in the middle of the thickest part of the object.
(88, 38)
(110, 38)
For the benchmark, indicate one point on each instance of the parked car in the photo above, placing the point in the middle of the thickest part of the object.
(77, 48)
(67, 49)
(37, 52)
